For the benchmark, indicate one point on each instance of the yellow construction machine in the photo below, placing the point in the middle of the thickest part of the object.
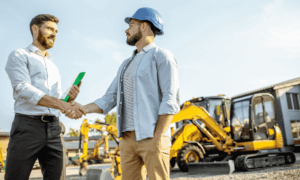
(252, 140)
(115, 168)
(85, 157)
(1, 159)
(187, 140)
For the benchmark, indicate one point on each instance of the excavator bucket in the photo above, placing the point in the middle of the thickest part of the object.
(99, 174)
(211, 168)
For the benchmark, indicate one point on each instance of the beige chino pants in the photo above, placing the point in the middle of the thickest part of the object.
(134, 154)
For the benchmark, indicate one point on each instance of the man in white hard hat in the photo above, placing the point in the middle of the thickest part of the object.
(146, 93)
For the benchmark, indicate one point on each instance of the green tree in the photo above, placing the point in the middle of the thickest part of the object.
(111, 118)
(73, 133)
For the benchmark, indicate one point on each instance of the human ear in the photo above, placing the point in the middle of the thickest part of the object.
(34, 29)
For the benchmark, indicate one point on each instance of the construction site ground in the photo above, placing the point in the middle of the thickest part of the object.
(288, 172)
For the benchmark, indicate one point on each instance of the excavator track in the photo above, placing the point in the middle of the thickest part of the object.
(259, 161)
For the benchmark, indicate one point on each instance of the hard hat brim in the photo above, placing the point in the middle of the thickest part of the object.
(128, 19)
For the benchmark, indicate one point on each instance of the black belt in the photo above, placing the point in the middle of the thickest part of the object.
(44, 118)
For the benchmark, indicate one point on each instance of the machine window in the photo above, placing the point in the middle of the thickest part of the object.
(269, 111)
(215, 110)
(240, 120)
(260, 125)
(258, 113)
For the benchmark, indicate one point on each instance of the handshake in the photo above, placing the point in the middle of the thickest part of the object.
(73, 110)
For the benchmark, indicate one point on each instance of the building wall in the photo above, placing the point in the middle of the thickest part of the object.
(288, 115)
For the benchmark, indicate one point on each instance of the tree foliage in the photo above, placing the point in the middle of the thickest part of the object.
(73, 132)
(111, 118)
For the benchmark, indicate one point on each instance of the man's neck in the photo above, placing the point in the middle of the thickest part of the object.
(143, 42)
(38, 45)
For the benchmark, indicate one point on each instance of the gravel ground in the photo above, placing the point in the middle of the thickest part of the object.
(287, 172)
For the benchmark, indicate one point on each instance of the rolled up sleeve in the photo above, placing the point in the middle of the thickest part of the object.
(18, 74)
(168, 82)
(108, 101)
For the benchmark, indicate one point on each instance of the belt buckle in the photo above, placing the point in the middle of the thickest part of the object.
(42, 118)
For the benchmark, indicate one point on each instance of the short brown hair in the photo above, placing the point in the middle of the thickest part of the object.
(41, 18)
(153, 28)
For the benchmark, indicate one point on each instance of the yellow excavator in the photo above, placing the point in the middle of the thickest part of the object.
(114, 156)
(188, 136)
(252, 140)
(1, 159)
(115, 168)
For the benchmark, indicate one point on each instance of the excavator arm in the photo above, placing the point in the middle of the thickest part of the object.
(208, 126)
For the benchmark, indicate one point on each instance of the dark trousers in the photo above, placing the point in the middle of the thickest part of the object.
(32, 139)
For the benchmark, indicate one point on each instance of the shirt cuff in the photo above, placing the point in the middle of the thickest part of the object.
(168, 109)
(102, 105)
(37, 97)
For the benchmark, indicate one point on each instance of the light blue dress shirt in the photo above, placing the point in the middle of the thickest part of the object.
(32, 76)
(156, 91)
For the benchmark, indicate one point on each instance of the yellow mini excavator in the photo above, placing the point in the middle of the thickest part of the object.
(188, 136)
(251, 141)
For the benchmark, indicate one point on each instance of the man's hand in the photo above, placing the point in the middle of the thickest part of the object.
(74, 110)
(157, 138)
(74, 91)
(162, 125)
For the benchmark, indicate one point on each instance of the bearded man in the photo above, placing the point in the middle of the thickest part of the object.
(36, 131)
(146, 93)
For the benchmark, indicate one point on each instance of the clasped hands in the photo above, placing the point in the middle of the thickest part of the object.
(74, 110)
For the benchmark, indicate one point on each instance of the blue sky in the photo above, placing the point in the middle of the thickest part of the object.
(222, 47)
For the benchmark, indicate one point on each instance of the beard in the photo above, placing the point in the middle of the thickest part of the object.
(44, 40)
(134, 39)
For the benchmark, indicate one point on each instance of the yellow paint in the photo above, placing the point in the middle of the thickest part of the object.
(264, 144)
(258, 145)
(189, 133)
(1, 157)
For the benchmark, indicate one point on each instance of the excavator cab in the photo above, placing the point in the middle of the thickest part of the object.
(217, 106)
(253, 118)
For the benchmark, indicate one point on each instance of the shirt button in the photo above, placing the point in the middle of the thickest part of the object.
(120, 102)
(121, 92)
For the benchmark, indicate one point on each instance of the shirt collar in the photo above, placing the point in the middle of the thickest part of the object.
(145, 49)
(36, 50)
(148, 47)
